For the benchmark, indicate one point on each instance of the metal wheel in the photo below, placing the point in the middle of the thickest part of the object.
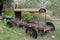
(51, 25)
(32, 32)
(9, 24)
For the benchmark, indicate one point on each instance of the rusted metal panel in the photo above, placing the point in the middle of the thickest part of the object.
(42, 10)
(27, 10)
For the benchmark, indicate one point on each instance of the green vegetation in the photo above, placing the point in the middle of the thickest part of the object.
(52, 5)
(8, 12)
(16, 33)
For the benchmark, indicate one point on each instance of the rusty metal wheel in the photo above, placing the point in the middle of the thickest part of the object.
(51, 25)
(32, 32)
(9, 24)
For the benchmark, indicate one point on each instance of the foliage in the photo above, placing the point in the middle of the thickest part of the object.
(29, 4)
(26, 16)
(16, 33)
(52, 5)
(8, 12)
(55, 7)
(7, 3)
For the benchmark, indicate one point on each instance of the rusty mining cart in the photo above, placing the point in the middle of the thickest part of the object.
(31, 28)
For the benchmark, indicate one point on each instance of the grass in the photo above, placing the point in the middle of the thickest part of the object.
(8, 12)
(16, 33)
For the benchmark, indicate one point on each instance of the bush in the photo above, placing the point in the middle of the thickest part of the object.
(8, 12)
(26, 16)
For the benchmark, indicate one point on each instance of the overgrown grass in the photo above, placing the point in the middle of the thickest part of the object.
(16, 33)
(8, 12)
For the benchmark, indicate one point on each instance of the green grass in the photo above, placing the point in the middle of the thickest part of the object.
(16, 33)
(8, 12)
